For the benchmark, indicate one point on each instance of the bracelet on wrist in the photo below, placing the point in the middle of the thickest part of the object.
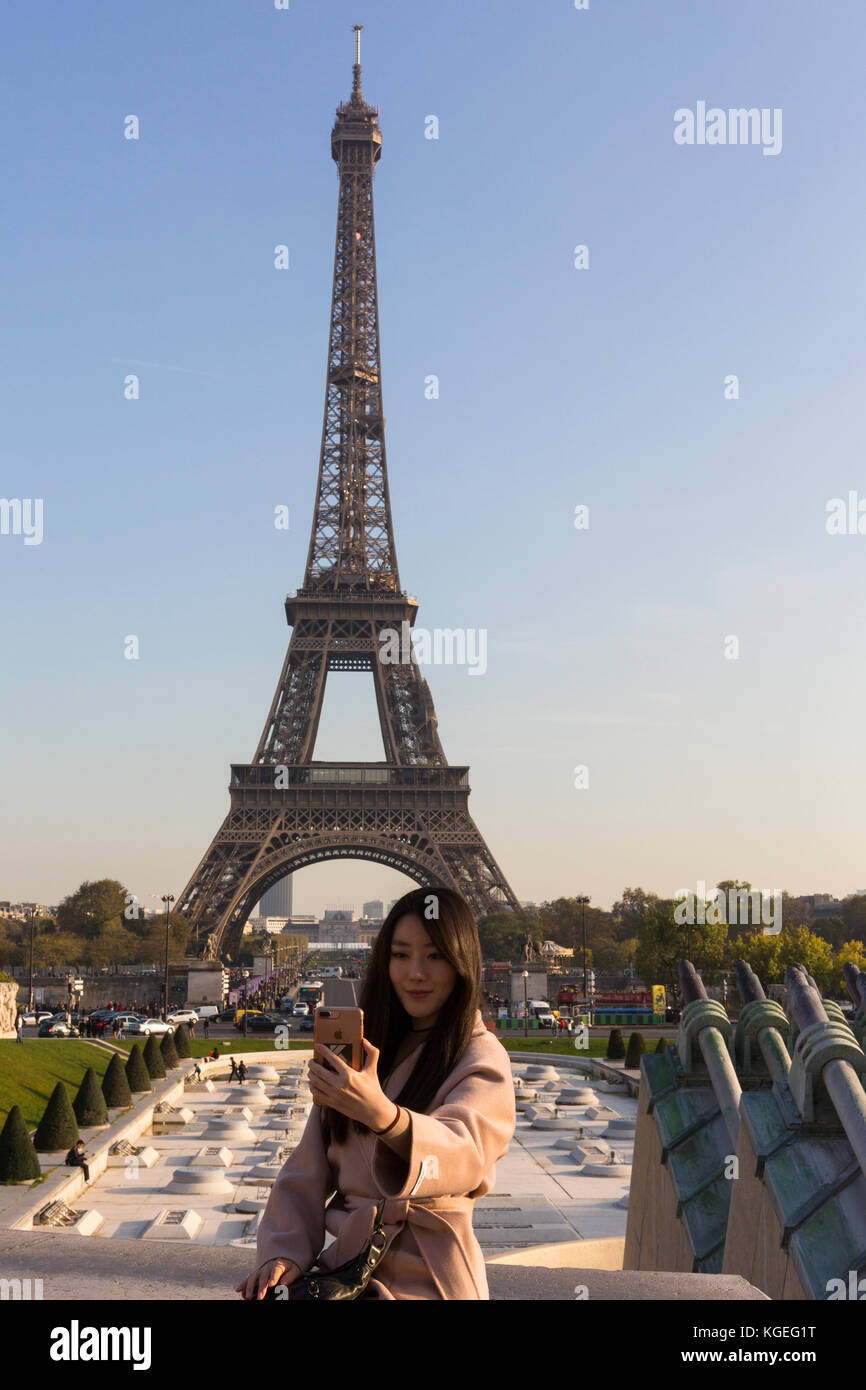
(391, 1125)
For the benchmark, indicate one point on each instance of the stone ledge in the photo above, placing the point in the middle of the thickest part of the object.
(130, 1270)
(607, 1071)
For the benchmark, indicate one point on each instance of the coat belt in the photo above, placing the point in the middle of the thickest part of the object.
(425, 1213)
(414, 1211)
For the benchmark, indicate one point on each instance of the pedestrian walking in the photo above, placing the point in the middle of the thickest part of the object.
(19, 1028)
(234, 1071)
(242, 1072)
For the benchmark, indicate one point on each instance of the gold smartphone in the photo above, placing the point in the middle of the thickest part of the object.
(342, 1030)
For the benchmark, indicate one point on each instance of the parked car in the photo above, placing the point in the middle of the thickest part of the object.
(183, 1016)
(37, 1016)
(125, 1020)
(228, 1015)
(307, 1024)
(145, 1027)
(208, 1011)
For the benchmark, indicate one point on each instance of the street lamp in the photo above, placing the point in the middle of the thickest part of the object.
(32, 929)
(583, 902)
(525, 1006)
(168, 899)
(246, 977)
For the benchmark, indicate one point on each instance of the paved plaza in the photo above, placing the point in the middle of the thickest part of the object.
(201, 1169)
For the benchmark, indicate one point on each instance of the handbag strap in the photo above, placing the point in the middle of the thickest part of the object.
(376, 1249)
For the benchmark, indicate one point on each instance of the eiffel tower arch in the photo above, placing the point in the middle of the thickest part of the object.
(287, 811)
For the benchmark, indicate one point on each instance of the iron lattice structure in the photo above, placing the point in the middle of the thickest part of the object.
(287, 811)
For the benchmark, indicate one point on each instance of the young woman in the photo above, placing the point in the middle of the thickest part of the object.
(422, 1124)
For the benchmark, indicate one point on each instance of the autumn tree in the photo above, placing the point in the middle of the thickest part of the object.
(663, 942)
(502, 935)
(90, 909)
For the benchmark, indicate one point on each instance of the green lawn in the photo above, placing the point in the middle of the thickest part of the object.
(225, 1046)
(29, 1071)
(565, 1047)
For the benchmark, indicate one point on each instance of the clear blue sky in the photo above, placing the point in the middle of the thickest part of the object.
(558, 387)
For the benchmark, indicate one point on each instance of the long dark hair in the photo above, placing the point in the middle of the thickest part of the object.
(454, 933)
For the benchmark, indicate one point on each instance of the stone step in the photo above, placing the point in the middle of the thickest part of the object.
(520, 1216)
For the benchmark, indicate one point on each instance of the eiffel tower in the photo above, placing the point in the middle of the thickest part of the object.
(287, 811)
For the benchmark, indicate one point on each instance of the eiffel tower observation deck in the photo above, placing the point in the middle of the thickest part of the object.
(409, 812)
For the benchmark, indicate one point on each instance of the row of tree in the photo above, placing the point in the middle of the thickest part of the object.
(59, 1126)
(100, 924)
(644, 933)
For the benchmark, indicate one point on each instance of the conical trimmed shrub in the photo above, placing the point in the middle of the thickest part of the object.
(181, 1042)
(634, 1052)
(615, 1046)
(89, 1105)
(115, 1087)
(662, 1045)
(19, 1161)
(57, 1129)
(153, 1059)
(137, 1075)
(169, 1051)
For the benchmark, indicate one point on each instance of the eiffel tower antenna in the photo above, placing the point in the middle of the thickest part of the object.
(287, 811)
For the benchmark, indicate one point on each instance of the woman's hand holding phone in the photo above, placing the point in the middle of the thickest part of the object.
(356, 1094)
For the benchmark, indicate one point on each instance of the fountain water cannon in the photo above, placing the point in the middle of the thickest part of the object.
(759, 1046)
(705, 1027)
(828, 1067)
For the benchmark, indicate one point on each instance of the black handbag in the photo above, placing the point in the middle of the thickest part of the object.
(348, 1280)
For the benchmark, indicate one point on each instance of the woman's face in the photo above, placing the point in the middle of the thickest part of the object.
(422, 978)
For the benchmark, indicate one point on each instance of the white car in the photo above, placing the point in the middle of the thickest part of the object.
(38, 1017)
(300, 1010)
(183, 1016)
(148, 1026)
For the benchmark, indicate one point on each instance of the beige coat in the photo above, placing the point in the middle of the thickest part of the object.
(432, 1251)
